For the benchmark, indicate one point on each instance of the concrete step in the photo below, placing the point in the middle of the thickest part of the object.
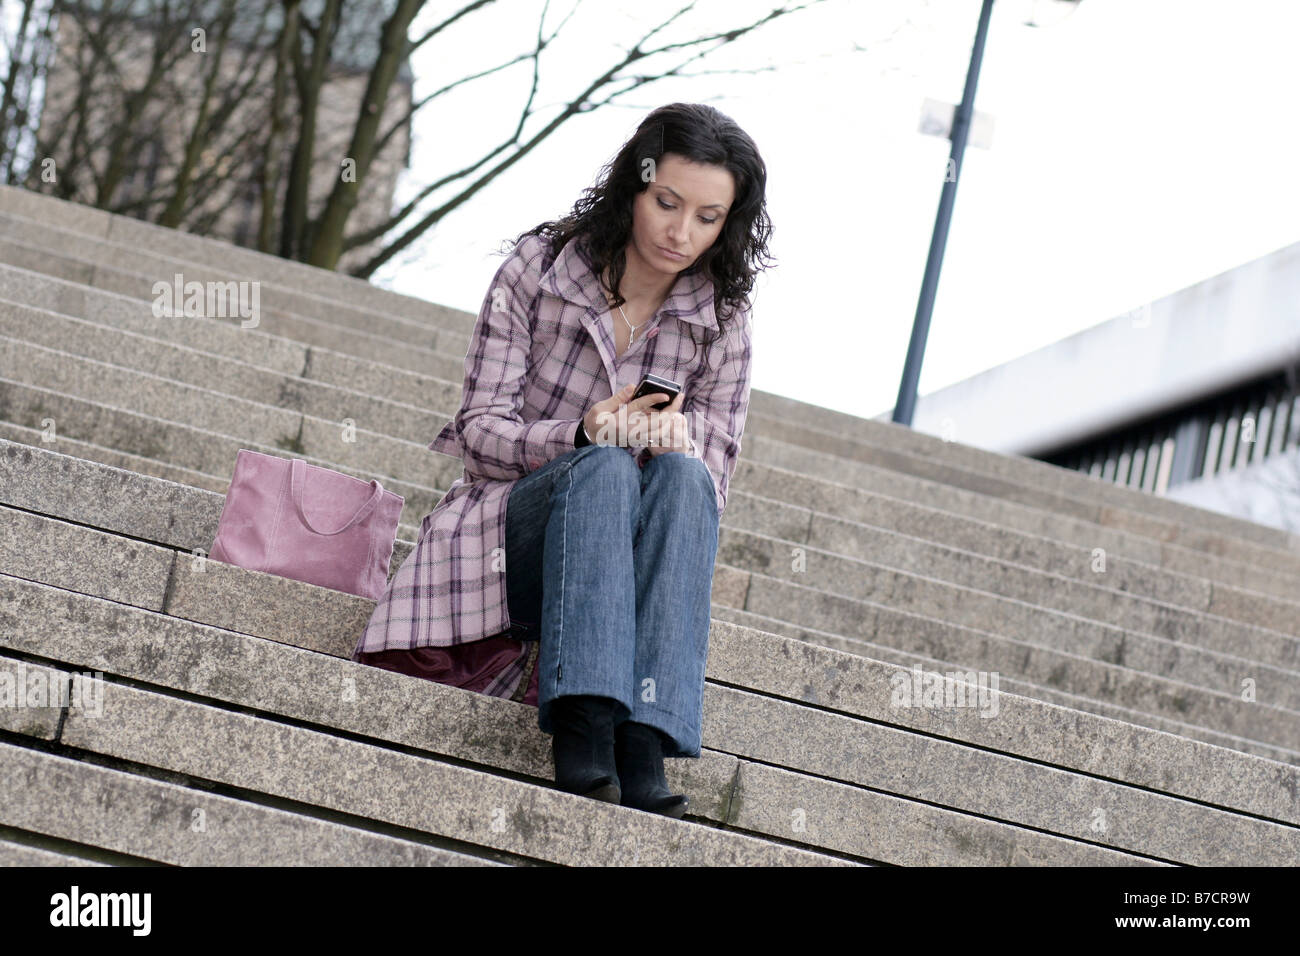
(1039, 688)
(1108, 643)
(402, 714)
(14, 853)
(1230, 594)
(39, 280)
(126, 233)
(363, 741)
(31, 339)
(190, 366)
(329, 773)
(986, 593)
(1205, 693)
(864, 600)
(36, 544)
(1201, 603)
(978, 468)
(368, 452)
(847, 521)
(838, 427)
(854, 488)
(1208, 531)
(42, 622)
(24, 325)
(38, 539)
(1162, 530)
(154, 821)
(62, 256)
(1196, 669)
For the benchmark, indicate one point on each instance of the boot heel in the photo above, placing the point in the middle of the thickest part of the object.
(583, 746)
(638, 755)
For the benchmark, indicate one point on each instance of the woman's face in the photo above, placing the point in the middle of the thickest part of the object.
(681, 210)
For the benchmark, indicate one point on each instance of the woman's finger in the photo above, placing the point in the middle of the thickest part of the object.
(646, 402)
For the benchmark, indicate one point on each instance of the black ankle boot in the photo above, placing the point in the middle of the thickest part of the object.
(583, 746)
(639, 756)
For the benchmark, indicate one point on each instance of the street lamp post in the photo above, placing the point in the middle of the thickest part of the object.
(906, 403)
(961, 123)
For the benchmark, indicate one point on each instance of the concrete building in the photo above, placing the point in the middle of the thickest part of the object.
(1193, 396)
(228, 174)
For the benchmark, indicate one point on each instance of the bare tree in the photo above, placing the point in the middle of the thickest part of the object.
(129, 84)
(612, 81)
(27, 53)
(170, 109)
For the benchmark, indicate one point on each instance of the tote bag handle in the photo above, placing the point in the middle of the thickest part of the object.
(298, 480)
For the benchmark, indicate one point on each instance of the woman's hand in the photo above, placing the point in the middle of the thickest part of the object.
(670, 429)
(619, 421)
(606, 421)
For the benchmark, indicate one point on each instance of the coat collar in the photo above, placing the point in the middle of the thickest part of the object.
(571, 277)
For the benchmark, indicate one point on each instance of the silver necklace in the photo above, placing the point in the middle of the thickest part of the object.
(631, 328)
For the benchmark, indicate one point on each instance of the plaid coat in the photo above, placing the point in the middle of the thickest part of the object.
(541, 354)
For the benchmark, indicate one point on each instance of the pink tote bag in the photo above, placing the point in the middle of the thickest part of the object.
(286, 517)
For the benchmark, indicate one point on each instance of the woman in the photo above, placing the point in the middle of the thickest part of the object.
(604, 508)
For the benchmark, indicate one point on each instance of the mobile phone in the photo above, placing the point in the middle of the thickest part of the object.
(655, 383)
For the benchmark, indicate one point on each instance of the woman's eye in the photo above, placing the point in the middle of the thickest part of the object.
(707, 222)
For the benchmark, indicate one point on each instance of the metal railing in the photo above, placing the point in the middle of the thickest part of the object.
(1233, 429)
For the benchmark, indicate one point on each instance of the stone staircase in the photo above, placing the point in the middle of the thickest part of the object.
(1147, 651)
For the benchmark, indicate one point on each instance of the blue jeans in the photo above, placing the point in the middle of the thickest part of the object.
(610, 566)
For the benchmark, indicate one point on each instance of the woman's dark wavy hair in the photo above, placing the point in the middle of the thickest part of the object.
(602, 217)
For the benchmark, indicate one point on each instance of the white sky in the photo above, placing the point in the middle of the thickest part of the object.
(1139, 146)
